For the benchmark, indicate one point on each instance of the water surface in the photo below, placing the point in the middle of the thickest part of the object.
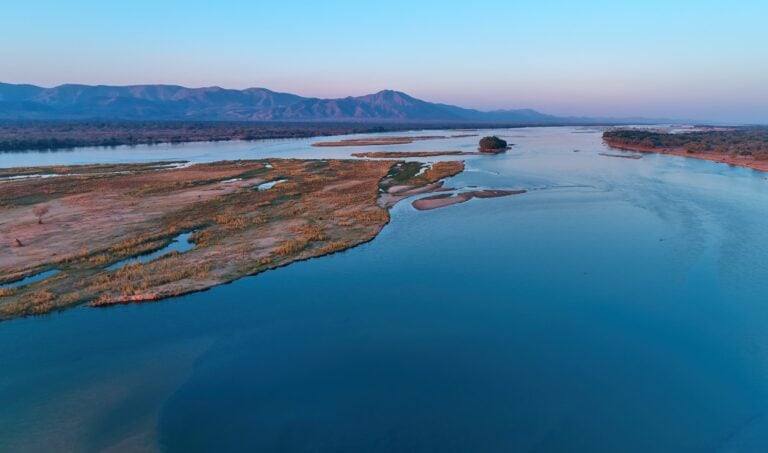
(619, 305)
(31, 279)
(180, 243)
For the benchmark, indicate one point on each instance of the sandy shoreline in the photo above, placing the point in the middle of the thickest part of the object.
(376, 141)
(447, 199)
(404, 154)
(622, 156)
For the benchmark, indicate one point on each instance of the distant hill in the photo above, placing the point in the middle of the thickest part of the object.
(140, 102)
(171, 102)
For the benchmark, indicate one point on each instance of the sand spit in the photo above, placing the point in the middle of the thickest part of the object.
(447, 199)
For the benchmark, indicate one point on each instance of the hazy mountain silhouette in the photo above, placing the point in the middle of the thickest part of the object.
(171, 102)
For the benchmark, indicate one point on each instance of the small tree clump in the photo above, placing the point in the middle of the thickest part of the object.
(492, 145)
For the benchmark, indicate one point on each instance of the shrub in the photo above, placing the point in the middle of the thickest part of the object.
(491, 144)
(291, 247)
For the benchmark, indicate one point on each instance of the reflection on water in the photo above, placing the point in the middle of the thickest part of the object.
(619, 306)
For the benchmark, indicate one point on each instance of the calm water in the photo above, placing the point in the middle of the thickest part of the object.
(619, 305)
(31, 279)
(180, 243)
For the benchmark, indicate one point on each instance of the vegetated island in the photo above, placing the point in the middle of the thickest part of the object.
(378, 141)
(71, 235)
(744, 146)
(492, 145)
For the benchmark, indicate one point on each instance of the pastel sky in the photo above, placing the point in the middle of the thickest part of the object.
(661, 58)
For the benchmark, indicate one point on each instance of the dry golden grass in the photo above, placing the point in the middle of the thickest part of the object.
(7, 291)
(139, 278)
(30, 303)
(334, 246)
(311, 232)
(291, 247)
(324, 207)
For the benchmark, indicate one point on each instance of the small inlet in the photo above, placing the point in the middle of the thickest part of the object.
(180, 243)
(269, 185)
(31, 279)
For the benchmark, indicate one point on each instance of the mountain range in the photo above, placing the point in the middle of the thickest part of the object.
(172, 102)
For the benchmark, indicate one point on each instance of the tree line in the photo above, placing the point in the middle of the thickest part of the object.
(743, 141)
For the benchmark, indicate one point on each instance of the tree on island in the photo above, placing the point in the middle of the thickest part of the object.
(492, 145)
(40, 211)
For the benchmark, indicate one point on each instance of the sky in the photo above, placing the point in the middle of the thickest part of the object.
(704, 60)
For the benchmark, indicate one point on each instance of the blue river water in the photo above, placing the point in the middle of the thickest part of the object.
(31, 279)
(618, 305)
(180, 243)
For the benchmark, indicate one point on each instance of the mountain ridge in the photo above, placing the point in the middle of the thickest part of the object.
(161, 102)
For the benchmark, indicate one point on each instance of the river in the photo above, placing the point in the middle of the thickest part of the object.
(618, 305)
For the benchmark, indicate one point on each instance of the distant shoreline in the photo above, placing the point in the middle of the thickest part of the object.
(24, 136)
(723, 158)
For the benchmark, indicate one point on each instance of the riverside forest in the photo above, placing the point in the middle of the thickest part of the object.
(739, 141)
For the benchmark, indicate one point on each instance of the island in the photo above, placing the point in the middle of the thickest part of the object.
(402, 154)
(448, 199)
(492, 145)
(743, 146)
(378, 141)
(111, 234)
